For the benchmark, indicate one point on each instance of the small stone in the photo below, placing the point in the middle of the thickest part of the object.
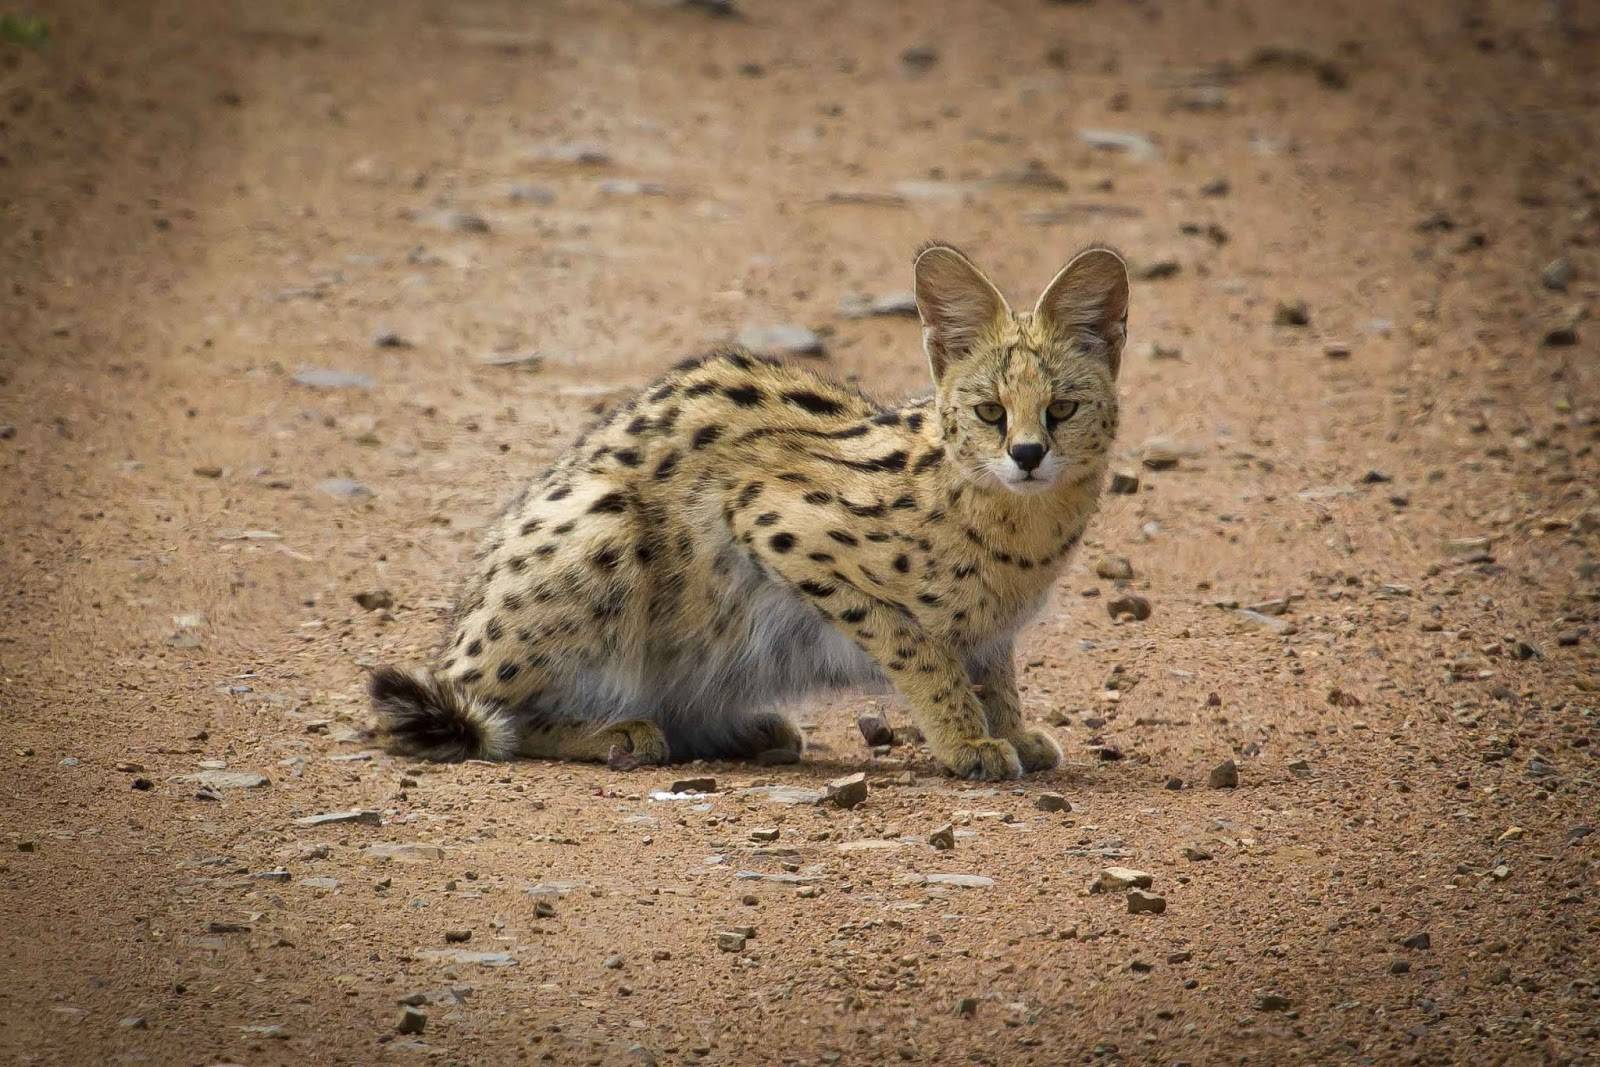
(1120, 879)
(1134, 144)
(1158, 269)
(354, 815)
(730, 941)
(612, 962)
(1124, 483)
(208, 472)
(322, 378)
(1142, 903)
(1273, 1002)
(1182, 955)
(694, 785)
(1511, 833)
(1399, 966)
(1132, 606)
(944, 838)
(465, 222)
(1336, 350)
(134, 1022)
(404, 852)
(1563, 335)
(908, 735)
(222, 779)
(783, 339)
(1291, 313)
(277, 874)
(849, 791)
(390, 339)
(1195, 853)
(919, 59)
(1174, 783)
(457, 937)
(343, 488)
(889, 305)
(25, 846)
(142, 784)
(543, 909)
(967, 1007)
(7, 431)
(1052, 802)
(1224, 775)
(1216, 187)
(767, 834)
(374, 600)
(412, 1021)
(1557, 274)
(875, 729)
(1419, 941)
(1159, 456)
(1114, 568)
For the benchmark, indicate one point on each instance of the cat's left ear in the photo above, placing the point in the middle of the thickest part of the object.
(1088, 301)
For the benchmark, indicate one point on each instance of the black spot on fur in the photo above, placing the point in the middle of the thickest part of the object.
(474, 649)
(746, 396)
(738, 359)
(781, 542)
(815, 403)
(820, 557)
(747, 495)
(564, 528)
(853, 614)
(895, 461)
(545, 551)
(844, 537)
(611, 503)
(628, 457)
(767, 518)
(663, 392)
(929, 598)
(864, 511)
(514, 564)
(688, 364)
(531, 527)
(605, 558)
(902, 564)
(817, 589)
(668, 463)
(639, 425)
(914, 423)
(507, 672)
(819, 496)
(706, 435)
(929, 460)
(493, 630)
(560, 492)
(700, 389)
(471, 677)
(886, 418)
(904, 503)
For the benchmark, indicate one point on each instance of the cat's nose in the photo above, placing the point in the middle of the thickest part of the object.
(1027, 456)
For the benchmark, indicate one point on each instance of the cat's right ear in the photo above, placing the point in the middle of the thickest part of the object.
(957, 305)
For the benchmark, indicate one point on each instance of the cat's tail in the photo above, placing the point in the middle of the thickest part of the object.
(421, 714)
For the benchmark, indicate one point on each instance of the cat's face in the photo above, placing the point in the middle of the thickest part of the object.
(1027, 402)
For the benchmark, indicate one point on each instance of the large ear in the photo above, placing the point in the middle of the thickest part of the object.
(1088, 301)
(956, 302)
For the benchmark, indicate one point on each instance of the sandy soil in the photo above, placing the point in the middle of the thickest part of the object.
(204, 201)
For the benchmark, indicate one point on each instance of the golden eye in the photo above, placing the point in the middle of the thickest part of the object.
(1061, 410)
(991, 413)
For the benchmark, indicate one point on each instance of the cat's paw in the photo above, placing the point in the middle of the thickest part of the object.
(636, 742)
(1037, 750)
(987, 759)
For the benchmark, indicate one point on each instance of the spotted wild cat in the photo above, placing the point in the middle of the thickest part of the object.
(742, 533)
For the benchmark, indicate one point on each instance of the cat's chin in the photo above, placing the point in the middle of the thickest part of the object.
(1026, 486)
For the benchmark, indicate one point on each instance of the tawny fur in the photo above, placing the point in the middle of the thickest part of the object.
(742, 533)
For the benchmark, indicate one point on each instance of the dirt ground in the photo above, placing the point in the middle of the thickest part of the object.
(295, 293)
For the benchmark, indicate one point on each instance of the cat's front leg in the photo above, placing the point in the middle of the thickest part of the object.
(996, 680)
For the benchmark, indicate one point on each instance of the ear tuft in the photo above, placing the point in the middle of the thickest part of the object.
(956, 303)
(1088, 300)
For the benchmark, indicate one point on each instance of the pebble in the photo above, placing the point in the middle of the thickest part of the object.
(1399, 966)
(404, 852)
(764, 834)
(457, 937)
(875, 729)
(613, 962)
(1281, 627)
(1195, 853)
(1423, 941)
(322, 378)
(944, 838)
(1336, 350)
(1561, 336)
(1273, 1002)
(963, 881)
(1113, 568)
(465, 956)
(1134, 144)
(730, 941)
(1511, 833)
(1135, 607)
(1119, 879)
(783, 339)
(694, 785)
(142, 784)
(889, 305)
(1052, 802)
(1159, 456)
(849, 791)
(1291, 313)
(390, 339)
(355, 815)
(1224, 775)
(134, 1022)
(1142, 903)
(967, 1007)
(374, 600)
(412, 1021)
(1124, 483)
(919, 59)
(1216, 187)
(219, 779)
(1557, 274)
(343, 488)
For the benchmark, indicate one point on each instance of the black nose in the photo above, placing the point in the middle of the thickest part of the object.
(1027, 456)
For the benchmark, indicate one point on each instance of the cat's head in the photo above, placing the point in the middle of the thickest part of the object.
(1027, 401)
